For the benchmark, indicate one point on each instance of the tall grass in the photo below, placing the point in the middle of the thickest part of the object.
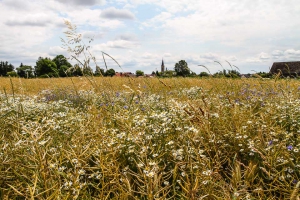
(182, 138)
(119, 138)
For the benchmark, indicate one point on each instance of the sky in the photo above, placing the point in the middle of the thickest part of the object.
(249, 35)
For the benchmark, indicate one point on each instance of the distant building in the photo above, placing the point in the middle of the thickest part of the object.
(162, 66)
(149, 75)
(286, 68)
(124, 74)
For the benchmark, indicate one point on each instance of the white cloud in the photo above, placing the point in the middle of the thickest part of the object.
(232, 58)
(57, 50)
(119, 44)
(127, 37)
(276, 56)
(113, 13)
(167, 55)
(82, 2)
(30, 20)
(148, 56)
(161, 18)
(92, 35)
(292, 52)
(88, 17)
(264, 56)
(245, 33)
(277, 53)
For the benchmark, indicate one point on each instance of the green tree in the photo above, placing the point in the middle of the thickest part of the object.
(61, 60)
(12, 74)
(203, 74)
(110, 72)
(87, 71)
(220, 74)
(62, 65)
(64, 71)
(233, 74)
(139, 73)
(99, 71)
(264, 74)
(169, 73)
(25, 71)
(182, 69)
(76, 70)
(157, 73)
(46, 67)
(5, 68)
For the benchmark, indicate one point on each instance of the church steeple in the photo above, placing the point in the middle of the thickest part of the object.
(162, 66)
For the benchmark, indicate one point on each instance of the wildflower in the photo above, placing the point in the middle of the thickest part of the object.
(207, 173)
(166, 183)
(216, 115)
(236, 194)
(52, 166)
(152, 163)
(62, 168)
(98, 176)
(195, 167)
(270, 143)
(150, 174)
(75, 161)
(289, 148)
(81, 172)
(296, 150)
(91, 176)
(140, 165)
(125, 107)
(204, 182)
(68, 184)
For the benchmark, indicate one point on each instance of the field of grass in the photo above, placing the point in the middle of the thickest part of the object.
(121, 138)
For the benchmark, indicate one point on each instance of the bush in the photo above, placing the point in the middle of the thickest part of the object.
(12, 74)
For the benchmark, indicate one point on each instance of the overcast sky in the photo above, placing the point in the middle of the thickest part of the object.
(250, 34)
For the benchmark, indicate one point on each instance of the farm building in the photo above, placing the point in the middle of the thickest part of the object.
(286, 68)
(124, 74)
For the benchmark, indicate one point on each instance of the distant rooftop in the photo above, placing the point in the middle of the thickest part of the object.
(286, 68)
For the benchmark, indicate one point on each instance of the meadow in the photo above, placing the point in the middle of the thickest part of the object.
(149, 138)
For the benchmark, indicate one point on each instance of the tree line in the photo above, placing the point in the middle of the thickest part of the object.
(60, 67)
(46, 67)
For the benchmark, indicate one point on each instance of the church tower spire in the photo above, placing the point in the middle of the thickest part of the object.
(162, 66)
